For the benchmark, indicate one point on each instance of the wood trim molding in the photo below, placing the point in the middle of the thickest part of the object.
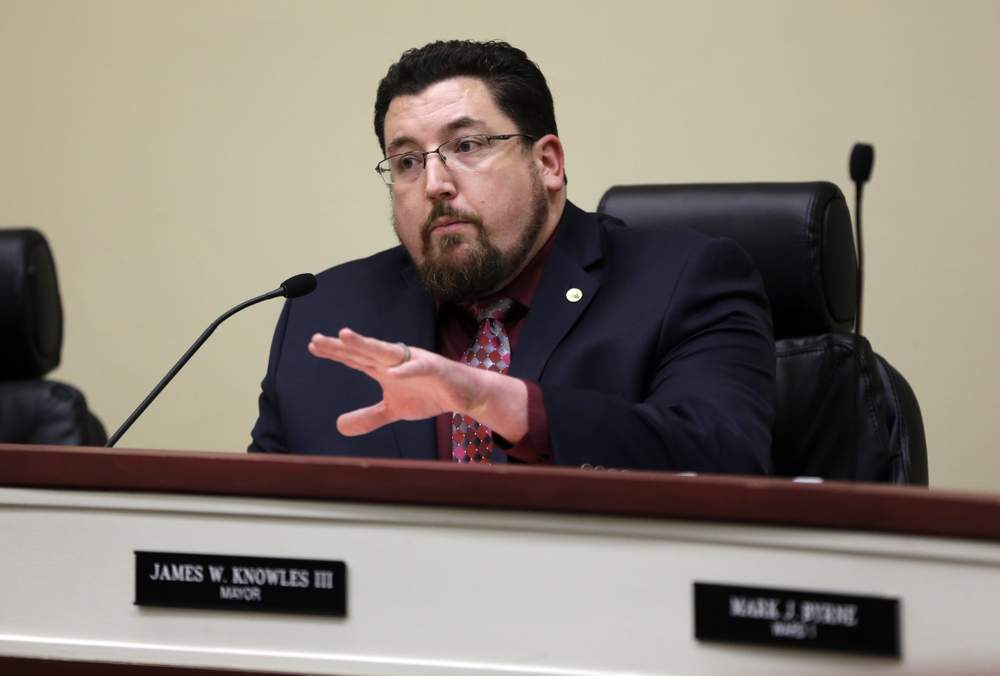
(728, 499)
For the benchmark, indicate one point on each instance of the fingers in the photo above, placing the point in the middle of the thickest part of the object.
(364, 420)
(382, 353)
(358, 351)
(334, 349)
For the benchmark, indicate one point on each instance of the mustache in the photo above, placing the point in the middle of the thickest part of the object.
(442, 209)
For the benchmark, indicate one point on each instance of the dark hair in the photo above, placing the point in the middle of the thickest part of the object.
(515, 82)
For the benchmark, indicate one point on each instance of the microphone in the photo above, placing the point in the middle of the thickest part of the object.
(860, 165)
(862, 159)
(293, 287)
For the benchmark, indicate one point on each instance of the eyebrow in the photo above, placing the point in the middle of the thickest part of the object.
(456, 125)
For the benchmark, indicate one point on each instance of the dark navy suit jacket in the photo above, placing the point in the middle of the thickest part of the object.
(666, 362)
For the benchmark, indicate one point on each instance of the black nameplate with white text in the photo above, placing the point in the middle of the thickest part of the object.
(866, 625)
(241, 583)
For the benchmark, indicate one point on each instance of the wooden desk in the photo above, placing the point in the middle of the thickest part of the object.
(473, 570)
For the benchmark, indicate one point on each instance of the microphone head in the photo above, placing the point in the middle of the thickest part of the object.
(299, 285)
(862, 159)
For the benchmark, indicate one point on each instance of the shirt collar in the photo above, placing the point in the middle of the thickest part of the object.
(523, 287)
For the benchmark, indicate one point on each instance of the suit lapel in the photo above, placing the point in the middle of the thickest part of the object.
(572, 272)
(409, 318)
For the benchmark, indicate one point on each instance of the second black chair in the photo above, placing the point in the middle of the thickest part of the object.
(842, 411)
(34, 410)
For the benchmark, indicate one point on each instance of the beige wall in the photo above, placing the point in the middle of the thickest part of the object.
(184, 155)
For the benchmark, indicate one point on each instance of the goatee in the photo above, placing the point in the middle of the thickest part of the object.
(483, 267)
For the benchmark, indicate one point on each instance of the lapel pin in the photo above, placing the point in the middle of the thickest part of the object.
(574, 295)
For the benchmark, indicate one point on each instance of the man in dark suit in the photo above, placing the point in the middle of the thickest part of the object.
(512, 326)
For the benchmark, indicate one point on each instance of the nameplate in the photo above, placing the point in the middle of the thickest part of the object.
(241, 583)
(866, 625)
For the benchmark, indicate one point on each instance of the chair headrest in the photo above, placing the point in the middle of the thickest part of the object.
(798, 234)
(30, 308)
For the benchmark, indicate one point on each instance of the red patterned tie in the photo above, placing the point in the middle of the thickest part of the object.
(471, 441)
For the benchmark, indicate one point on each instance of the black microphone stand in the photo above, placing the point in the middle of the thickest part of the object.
(184, 360)
(860, 166)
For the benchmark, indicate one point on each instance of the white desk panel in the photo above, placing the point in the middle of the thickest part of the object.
(434, 590)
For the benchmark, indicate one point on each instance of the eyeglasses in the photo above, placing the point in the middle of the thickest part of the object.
(464, 152)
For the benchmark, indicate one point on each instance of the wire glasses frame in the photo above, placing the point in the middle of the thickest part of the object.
(467, 152)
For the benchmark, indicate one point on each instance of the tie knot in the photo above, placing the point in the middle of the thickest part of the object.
(491, 307)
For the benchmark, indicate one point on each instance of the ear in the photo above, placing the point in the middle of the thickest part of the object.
(549, 157)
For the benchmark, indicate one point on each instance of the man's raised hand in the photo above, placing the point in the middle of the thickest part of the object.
(418, 384)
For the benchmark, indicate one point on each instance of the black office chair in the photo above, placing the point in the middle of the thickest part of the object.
(842, 411)
(34, 410)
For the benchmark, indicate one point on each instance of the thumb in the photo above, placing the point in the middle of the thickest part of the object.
(363, 420)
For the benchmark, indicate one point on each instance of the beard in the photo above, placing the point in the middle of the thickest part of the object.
(484, 267)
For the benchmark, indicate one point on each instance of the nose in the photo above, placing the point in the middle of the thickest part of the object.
(439, 184)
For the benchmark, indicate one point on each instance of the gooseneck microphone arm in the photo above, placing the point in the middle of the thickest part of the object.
(860, 165)
(299, 285)
(859, 189)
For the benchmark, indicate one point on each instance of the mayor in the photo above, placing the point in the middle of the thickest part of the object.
(510, 326)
